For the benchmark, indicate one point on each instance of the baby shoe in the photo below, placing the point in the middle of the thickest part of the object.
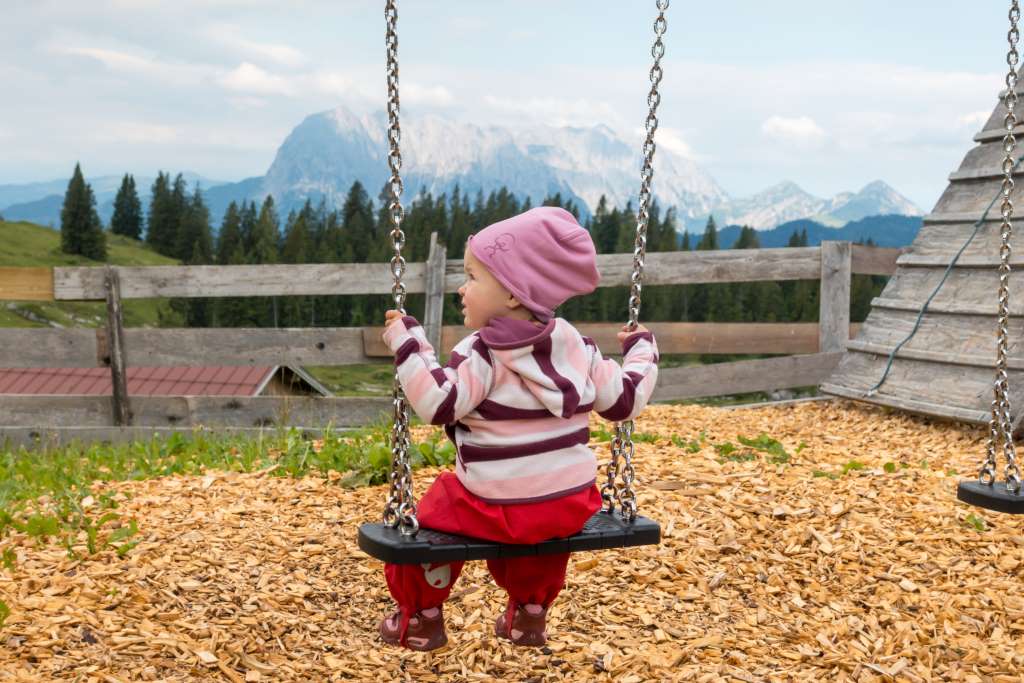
(425, 630)
(523, 624)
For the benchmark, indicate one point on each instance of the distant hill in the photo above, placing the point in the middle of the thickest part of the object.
(27, 244)
(884, 231)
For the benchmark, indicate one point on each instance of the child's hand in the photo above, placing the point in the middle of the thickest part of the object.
(391, 317)
(626, 332)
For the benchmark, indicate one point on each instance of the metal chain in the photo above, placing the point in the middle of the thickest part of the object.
(400, 509)
(621, 463)
(1000, 424)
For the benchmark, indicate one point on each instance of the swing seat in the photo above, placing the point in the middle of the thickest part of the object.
(601, 532)
(994, 497)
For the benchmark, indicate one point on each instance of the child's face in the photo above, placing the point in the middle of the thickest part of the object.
(483, 297)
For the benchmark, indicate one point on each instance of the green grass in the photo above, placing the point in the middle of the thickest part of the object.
(370, 379)
(29, 245)
(55, 494)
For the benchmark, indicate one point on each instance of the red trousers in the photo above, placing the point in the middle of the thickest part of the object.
(448, 506)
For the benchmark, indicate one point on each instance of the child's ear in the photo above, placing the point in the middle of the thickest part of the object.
(512, 302)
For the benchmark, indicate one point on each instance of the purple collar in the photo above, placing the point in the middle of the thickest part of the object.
(512, 333)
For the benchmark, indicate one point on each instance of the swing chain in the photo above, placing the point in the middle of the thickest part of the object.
(1000, 423)
(400, 509)
(621, 463)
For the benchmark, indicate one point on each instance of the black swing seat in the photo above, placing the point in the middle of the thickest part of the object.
(994, 497)
(601, 532)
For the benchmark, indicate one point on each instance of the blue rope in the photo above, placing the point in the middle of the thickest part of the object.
(977, 226)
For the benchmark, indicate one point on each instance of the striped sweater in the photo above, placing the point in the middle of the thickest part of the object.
(515, 398)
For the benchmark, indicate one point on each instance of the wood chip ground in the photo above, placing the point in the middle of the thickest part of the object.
(766, 573)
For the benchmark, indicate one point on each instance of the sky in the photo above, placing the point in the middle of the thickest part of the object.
(755, 92)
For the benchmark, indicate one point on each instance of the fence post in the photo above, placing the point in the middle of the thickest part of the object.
(434, 305)
(115, 346)
(834, 314)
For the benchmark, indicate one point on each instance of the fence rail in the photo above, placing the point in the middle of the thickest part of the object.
(812, 349)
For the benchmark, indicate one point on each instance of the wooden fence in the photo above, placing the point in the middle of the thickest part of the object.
(812, 349)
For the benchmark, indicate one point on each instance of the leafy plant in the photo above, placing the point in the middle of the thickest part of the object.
(822, 473)
(851, 465)
(976, 523)
(766, 444)
(5, 612)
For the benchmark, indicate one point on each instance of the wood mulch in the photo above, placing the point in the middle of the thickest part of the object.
(767, 572)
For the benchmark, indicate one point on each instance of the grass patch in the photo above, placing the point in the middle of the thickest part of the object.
(367, 379)
(29, 245)
(50, 495)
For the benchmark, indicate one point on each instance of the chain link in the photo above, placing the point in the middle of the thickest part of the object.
(400, 509)
(1000, 423)
(621, 464)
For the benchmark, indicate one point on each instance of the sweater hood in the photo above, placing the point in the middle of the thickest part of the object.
(533, 352)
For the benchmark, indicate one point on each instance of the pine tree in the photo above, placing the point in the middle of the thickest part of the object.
(162, 223)
(81, 231)
(127, 218)
(297, 248)
(266, 249)
(195, 247)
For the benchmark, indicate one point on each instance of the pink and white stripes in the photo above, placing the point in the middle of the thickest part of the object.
(515, 397)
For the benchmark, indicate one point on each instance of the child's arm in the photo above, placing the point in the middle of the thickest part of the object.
(439, 395)
(623, 392)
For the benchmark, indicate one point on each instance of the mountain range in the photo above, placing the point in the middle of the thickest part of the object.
(328, 151)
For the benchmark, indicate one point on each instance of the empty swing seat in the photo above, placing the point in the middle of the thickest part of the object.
(996, 497)
(602, 531)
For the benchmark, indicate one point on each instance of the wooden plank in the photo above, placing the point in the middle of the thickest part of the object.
(985, 161)
(937, 244)
(965, 290)
(115, 339)
(874, 260)
(194, 411)
(46, 347)
(661, 268)
(695, 267)
(961, 216)
(954, 391)
(834, 310)
(740, 377)
(434, 295)
(245, 346)
(26, 284)
(990, 134)
(739, 338)
(1015, 363)
(974, 196)
(909, 405)
(960, 335)
(46, 438)
(145, 282)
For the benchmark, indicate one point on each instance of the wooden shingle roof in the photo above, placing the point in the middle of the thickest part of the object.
(947, 368)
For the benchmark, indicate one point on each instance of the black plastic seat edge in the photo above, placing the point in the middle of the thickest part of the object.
(995, 497)
(601, 533)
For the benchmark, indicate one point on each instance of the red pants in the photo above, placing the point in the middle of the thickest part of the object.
(448, 506)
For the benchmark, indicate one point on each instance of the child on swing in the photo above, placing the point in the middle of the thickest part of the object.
(514, 399)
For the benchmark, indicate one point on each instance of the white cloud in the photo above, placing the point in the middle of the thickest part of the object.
(554, 111)
(278, 53)
(135, 132)
(432, 95)
(249, 78)
(122, 61)
(672, 140)
(976, 119)
(801, 131)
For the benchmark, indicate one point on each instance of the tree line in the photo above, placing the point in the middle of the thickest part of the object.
(178, 225)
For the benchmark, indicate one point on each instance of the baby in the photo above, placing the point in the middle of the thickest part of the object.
(514, 399)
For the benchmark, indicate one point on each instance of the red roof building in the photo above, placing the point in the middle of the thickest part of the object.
(269, 380)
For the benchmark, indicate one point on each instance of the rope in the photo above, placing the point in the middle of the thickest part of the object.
(924, 308)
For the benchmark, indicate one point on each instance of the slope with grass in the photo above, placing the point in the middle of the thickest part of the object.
(29, 245)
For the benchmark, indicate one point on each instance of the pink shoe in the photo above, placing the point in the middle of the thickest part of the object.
(425, 631)
(524, 626)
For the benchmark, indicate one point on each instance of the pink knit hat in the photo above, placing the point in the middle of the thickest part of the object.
(542, 256)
